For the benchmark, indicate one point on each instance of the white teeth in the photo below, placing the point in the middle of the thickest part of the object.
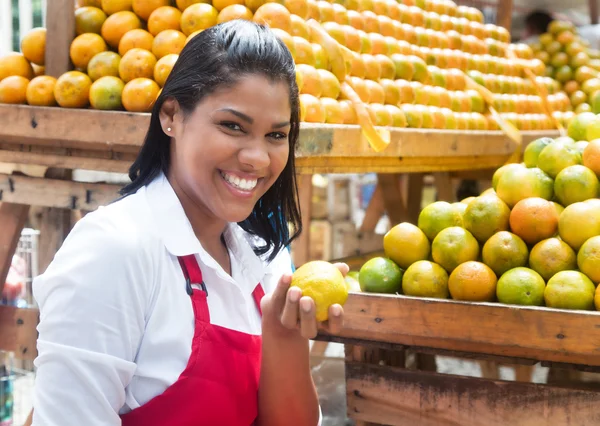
(244, 184)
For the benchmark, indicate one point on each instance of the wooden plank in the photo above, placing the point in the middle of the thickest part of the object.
(301, 245)
(12, 220)
(504, 14)
(414, 195)
(535, 333)
(444, 187)
(19, 334)
(395, 396)
(593, 6)
(56, 193)
(392, 197)
(65, 161)
(60, 26)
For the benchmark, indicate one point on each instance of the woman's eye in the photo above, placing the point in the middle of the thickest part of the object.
(278, 136)
(232, 126)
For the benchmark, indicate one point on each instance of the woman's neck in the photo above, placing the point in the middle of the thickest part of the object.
(207, 228)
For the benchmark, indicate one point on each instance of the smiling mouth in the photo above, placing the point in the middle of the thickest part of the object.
(246, 185)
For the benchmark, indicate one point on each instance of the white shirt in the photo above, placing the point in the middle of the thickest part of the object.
(116, 323)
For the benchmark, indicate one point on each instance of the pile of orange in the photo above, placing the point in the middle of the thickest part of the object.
(531, 239)
(407, 61)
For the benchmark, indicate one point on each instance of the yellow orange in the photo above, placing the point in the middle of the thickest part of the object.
(311, 80)
(192, 35)
(184, 4)
(198, 16)
(376, 92)
(137, 63)
(72, 90)
(84, 48)
(168, 42)
(274, 15)
(333, 111)
(234, 11)
(534, 220)
(222, 4)
(329, 84)
(13, 90)
(304, 52)
(454, 246)
(144, 8)
(140, 94)
(551, 256)
(117, 25)
(137, 38)
(253, 5)
(105, 93)
(299, 27)
(33, 46)
(164, 18)
(315, 112)
(40, 91)
(104, 64)
(89, 20)
(297, 7)
(113, 6)
(15, 64)
(591, 157)
(406, 244)
(348, 112)
(473, 281)
(163, 68)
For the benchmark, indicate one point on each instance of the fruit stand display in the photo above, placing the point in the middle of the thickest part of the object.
(436, 109)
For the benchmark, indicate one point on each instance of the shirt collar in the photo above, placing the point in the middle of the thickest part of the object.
(179, 238)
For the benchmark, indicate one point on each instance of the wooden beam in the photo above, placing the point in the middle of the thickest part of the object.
(593, 6)
(536, 333)
(301, 245)
(504, 14)
(56, 193)
(414, 195)
(65, 161)
(60, 27)
(444, 187)
(392, 197)
(394, 396)
(19, 334)
(12, 220)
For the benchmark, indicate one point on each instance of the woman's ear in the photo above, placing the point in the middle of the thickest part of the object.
(169, 116)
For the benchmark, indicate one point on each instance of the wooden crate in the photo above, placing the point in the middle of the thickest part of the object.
(378, 328)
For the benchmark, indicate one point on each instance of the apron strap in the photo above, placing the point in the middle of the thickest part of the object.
(258, 294)
(191, 271)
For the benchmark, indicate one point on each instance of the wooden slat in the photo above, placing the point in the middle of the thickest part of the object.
(56, 193)
(301, 245)
(536, 333)
(12, 220)
(19, 334)
(60, 26)
(65, 161)
(394, 396)
(504, 14)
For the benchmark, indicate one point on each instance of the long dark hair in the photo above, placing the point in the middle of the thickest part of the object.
(218, 57)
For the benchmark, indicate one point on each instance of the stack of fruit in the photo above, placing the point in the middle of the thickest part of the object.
(408, 61)
(570, 61)
(532, 239)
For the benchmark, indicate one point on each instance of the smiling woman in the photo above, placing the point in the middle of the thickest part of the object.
(181, 289)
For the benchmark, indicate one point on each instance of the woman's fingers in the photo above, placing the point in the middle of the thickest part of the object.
(308, 320)
(344, 269)
(336, 319)
(289, 316)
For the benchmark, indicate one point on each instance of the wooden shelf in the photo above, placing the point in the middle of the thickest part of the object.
(527, 333)
(109, 141)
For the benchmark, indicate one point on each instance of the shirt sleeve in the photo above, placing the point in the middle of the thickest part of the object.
(92, 316)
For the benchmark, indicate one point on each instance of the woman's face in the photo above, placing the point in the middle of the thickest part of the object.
(229, 151)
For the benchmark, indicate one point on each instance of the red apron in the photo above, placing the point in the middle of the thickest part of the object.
(219, 386)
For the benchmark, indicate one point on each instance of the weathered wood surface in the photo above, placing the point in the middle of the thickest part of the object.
(535, 333)
(56, 193)
(395, 396)
(12, 220)
(19, 334)
(116, 136)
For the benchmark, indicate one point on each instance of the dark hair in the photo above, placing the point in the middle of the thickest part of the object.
(215, 58)
(538, 21)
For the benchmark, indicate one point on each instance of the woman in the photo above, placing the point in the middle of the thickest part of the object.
(151, 310)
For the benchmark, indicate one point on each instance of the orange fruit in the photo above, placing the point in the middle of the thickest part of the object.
(406, 244)
(304, 51)
(380, 275)
(40, 91)
(438, 216)
(379, 115)
(359, 86)
(534, 219)
(253, 5)
(222, 4)
(485, 216)
(163, 68)
(13, 90)
(588, 259)
(84, 48)
(15, 64)
(311, 80)
(329, 84)
(348, 112)
(356, 20)
(315, 112)
(574, 184)
(570, 290)
(89, 20)
(113, 6)
(144, 8)
(104, 64)
(504, 251)
(137, 63)
(199, 16)
(274, 15)
(333, 111)
(184, 4)
(168, 42)
(287, 40)
(550, 256)
(72, 90)
(297, 7)
(578, 223)
(164, 18)
(392, 93)
(454, 246)
(521, 286)
(557, 156)
(425, 279)
(117, 25)
(85, 3)
(139, 95)
(234, 11)
(473, 281)
(33, 46)
(299, 27)
(137, 38)
(518, 183)
(591, 157)
(105, 93)
(192, 35)
(372, 67)
(38, 70)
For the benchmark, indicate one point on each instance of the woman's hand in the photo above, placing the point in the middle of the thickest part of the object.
(286, 312)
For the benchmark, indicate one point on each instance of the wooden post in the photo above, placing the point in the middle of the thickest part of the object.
(60, 27)
(12, 220)
(504, 14)
(301, 246)
(593, 5)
